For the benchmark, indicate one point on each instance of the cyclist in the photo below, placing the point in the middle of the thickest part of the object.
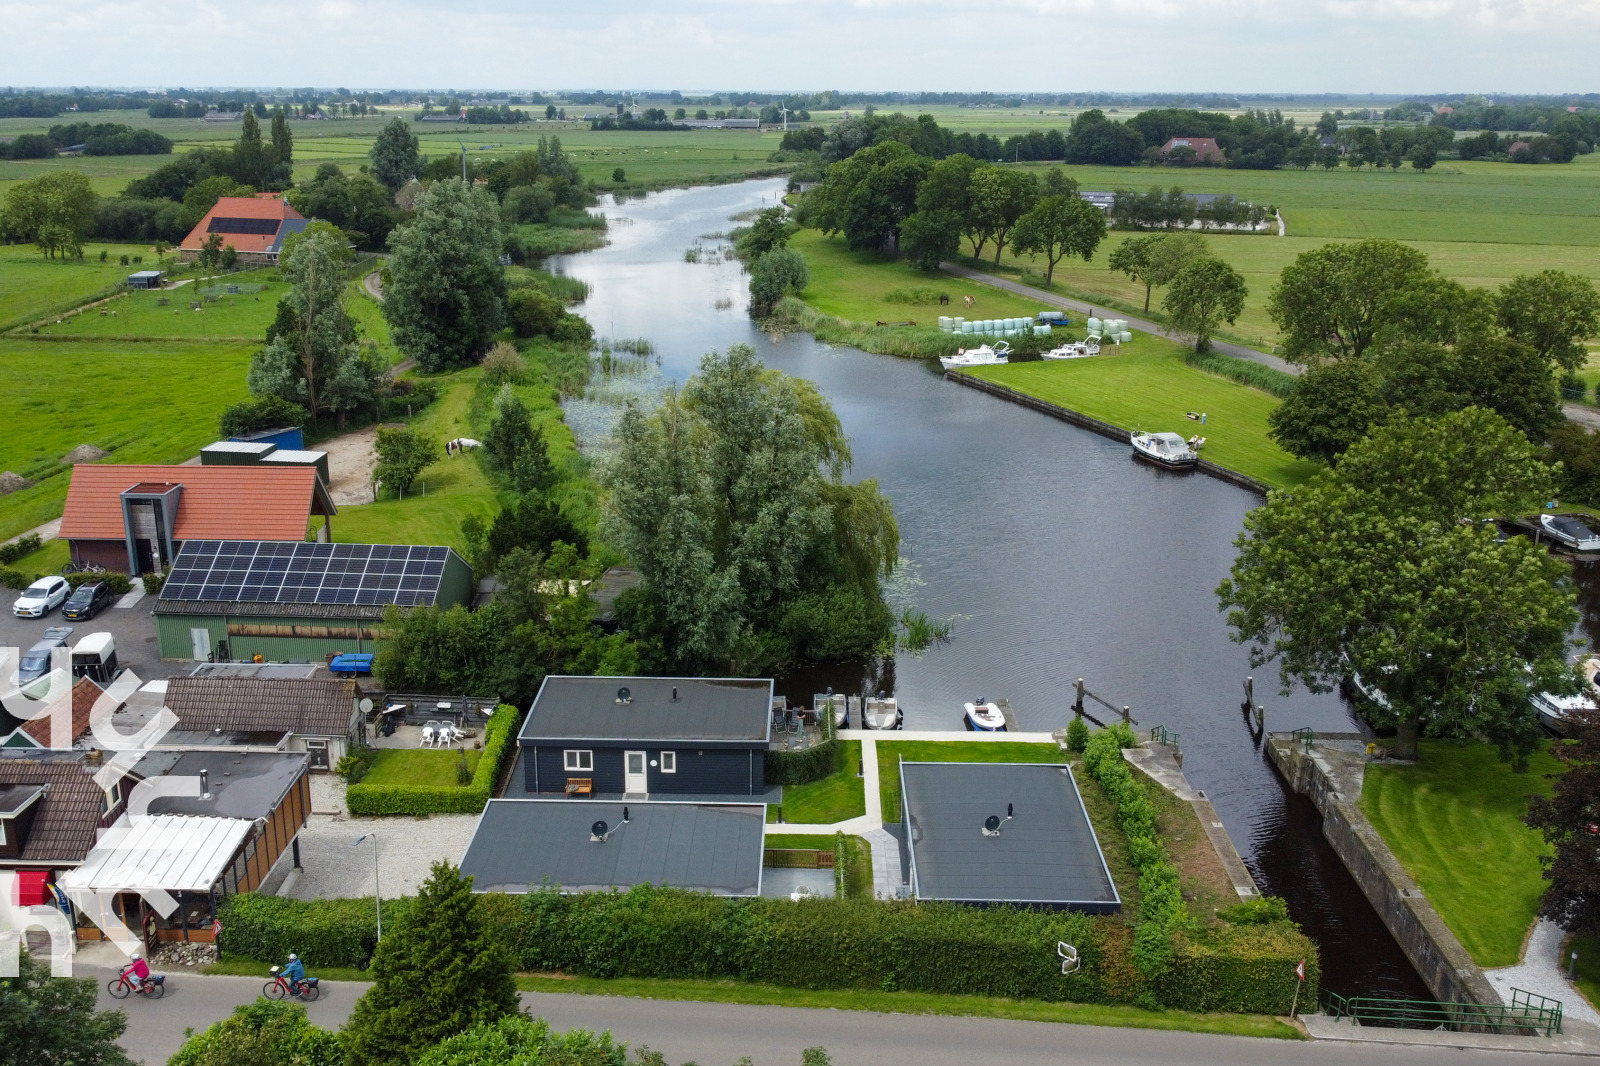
(137, 971)
(294, 974)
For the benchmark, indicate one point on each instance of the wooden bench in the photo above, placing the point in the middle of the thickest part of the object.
(580, 786)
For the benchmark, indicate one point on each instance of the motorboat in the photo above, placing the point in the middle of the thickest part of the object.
(1073, 350)
(982, 355)
(1554, 710)
(1165, 449)
(825, 702)
(1567, 531)
(984, 716)
(881, 712)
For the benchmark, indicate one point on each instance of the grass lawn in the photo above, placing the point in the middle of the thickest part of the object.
(836, 797)
(1455, 821)
(1145, 384)
(729, 991)
(1588, 949)
(144, 403)
(32, 286)
(418, 766)
(141, 315)
(890, 752)
(858, 857)
(49, 559)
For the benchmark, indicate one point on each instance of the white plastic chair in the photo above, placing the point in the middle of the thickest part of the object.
(428, 733)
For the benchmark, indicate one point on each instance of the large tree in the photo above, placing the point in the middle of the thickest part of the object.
(1382, 567)
(445, 298)
(1000, 197)
(282, 147)
(52, 1021)
(438, 972)
(1553, 311)
(1332, 406)
(1570, 822)
(1205, 294)
(1059, 226)
(1330, 302)
(1155, 260)
(396, 156)
(54, 211)
(948, 188)
(252, 160)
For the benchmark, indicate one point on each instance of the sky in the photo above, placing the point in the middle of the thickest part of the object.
(1239, 46)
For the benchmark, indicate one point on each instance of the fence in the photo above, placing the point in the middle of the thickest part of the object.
(1526, 1015)
(797, 859)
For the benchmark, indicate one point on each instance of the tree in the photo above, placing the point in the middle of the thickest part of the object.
(1205, 293)
(1567, 819)
(1382, 567)
(282, 147)
(534, 312)
(534, 525)
(437, 973)
(403, 454)
(1553, 311)
(1424, 158)
(948, 188)
(514, 447)
(1330, 301)
(1059, 226)
(1000, 197)
(523, 1041)
(445, 297)
(51, 1021)
(54, 211)
(312, 357)
(1156, 260)
(262, 1033)
(396, 156)
(929, 237)
(770, 230)
(776, 275)
(1333, 405)
(252, 161)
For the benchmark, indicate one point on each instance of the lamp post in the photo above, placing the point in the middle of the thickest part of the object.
(377, 891)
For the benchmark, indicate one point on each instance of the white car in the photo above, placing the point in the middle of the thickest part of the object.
(41, 597)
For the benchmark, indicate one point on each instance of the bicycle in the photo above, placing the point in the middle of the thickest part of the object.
(69, 568)
(279, 987)
(153, 987)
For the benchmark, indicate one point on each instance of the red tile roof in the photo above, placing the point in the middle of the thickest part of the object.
(271, 208)
(65, 827)
(217, 502)
(1204, 147)
(84, 695)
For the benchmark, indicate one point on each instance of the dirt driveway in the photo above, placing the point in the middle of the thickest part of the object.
(351, 459)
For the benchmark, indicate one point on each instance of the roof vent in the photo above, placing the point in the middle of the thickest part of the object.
(624, 695)
(674, 693)
(205, 784)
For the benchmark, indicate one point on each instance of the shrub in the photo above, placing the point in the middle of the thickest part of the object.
(263, 412)
(356, 765)
(803, 767)
(503, 365)
(261, 1032)
(619, 175)
(26, 544)
(1262, 910)
(1077, 734)
(120, 584)
(534, 312)
(781, 272)
(912, 296)
(14, 579)
(364, 799)
(153, 581)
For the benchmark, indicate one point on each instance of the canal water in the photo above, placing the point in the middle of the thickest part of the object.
(1053, 552)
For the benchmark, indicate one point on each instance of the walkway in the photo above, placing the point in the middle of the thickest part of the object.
(1541, 972)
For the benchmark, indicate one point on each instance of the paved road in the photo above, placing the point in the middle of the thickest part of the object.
(714, 1033)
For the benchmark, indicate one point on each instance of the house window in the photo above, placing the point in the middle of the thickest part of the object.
(579, 760)
(669, 762)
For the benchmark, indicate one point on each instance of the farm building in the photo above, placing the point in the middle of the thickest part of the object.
(136, 518)
(145, 279)
(236, 599)
(253, 226)
(263, 453)
(1199, 149)
(639, 736)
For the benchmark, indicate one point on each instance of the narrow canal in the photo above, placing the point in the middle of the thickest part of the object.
(1056, 555)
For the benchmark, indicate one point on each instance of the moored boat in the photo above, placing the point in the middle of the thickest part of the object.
(881, 712)
(1569, 532)
(983, 716)
(1073, 350)
(1554, 710)
(982, 355)
(1164, 449)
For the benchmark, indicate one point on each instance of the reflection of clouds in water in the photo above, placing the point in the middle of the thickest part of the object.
(613, 383)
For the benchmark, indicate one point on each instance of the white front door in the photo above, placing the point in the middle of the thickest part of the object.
(634, 779)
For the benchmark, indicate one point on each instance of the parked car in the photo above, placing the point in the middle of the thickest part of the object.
(41, 597)
(88, 600)
(36, 660)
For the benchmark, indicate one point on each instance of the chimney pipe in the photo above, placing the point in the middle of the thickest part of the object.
(205, 784)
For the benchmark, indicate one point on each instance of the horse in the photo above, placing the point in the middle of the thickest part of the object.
(970, 300)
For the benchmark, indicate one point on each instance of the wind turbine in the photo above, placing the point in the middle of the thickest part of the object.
(786, 113)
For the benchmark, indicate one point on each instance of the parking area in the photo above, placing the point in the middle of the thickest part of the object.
(133, 628)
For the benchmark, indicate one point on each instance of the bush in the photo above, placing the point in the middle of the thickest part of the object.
(23, 545)
(120, 584)
(1262, 910)
(803, 767)
(619, 175)
(534, 312)
(503, 366)
(263, 412)
(363, 799)
(14, 579)
(153, 582)
(573, 330)
(324, 932)
(1077, 734)
(781, 272)
(356, 765)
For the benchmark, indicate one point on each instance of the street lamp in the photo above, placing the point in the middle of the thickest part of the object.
(377, 891)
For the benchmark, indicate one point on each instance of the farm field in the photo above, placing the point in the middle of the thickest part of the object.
(152, 314)
(32, 286)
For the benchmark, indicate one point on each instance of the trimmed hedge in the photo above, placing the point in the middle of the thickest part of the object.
(803, 767)
(365, 799)
(120, 583)
(26, 544)
(324, 932)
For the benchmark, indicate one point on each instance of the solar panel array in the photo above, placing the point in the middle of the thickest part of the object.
(265, 571)
(264, 227)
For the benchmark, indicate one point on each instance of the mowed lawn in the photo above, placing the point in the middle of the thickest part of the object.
(890, 752)
(32, 286)
(170, 314)
(143, 403)
(418, 766)
(840, 795)
(1145, 385)
(1455, 821)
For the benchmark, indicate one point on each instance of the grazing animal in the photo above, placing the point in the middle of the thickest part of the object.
(944, 297)
(970, 300)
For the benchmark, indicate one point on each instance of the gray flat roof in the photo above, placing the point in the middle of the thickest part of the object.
(243, 784)
(709, 709)
(519, 843)
(1046, 854)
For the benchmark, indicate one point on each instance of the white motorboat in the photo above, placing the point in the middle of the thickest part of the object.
(827, 701)
(881, 712)
(1554, 710)
(982, 355)
(984, 716)
(1073, 350)
(1567, 531)
(1165, 449)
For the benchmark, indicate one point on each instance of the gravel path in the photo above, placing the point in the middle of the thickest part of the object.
(1540, 972)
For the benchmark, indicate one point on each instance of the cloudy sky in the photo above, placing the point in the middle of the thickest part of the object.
(1382, 46)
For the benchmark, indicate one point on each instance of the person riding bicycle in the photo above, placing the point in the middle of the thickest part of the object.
(137, 971)
(294, 973)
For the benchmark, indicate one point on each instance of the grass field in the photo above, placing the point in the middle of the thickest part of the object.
(169, 315)
(836, 797)
(417, 766)
(32, 286)
(1146, 385)
(890, 752)
(1455, 821)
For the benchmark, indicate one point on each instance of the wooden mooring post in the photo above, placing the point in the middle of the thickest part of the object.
(1077, 707)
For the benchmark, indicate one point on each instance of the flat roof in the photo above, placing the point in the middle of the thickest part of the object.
(656, 708)
(13, 798)
(1045, 854)
(243, 784)
(169, 852)
(706, 847)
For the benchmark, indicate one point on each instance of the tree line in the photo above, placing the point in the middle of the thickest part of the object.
(102, 138)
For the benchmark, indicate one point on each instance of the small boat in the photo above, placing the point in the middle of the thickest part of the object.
(984, 716)
(1553, 710)
(881, 712)
(826, 701)
(1567, 531)
(982, 355)
(1073, 350)
(1165, 449)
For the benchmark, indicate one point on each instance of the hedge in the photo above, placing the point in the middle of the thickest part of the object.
(120, 583)
(26, 544)
(365, 799)
(324, 932)
(803, 767)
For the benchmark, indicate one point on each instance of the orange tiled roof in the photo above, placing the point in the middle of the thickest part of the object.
(256, 208)
(84, 695)
(217, 502)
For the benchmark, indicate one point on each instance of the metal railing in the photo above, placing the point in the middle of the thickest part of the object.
(1526, 1015)
(1304, 735)
(1162, 735)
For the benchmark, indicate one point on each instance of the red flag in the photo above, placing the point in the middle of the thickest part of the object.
(1300, 970)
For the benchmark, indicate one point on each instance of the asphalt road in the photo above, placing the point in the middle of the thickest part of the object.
(715, 1033)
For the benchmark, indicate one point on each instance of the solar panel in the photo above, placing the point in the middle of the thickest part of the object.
(262, 227)
(281, 572)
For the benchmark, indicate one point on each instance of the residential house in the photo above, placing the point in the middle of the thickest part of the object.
(253, 226)
(318, 716)
(52, 810)
(1192, 149)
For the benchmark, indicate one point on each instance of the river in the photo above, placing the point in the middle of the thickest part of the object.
(1057, 556)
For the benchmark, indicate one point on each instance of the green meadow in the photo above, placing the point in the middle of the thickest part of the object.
(32, 287)
(170, 314)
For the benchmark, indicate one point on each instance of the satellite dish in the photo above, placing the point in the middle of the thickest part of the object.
(365, 705)
(598, 830)
(991, 824)
(624, 694)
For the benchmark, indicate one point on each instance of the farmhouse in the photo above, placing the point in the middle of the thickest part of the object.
(137, 518)
(235, 599)
(1195, 149)
(647, 736)
(253, 226)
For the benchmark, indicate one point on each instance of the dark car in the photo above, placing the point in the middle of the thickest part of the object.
(90, 598)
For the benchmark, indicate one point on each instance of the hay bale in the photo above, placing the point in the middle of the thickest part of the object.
(84, 453)
(12, 482)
